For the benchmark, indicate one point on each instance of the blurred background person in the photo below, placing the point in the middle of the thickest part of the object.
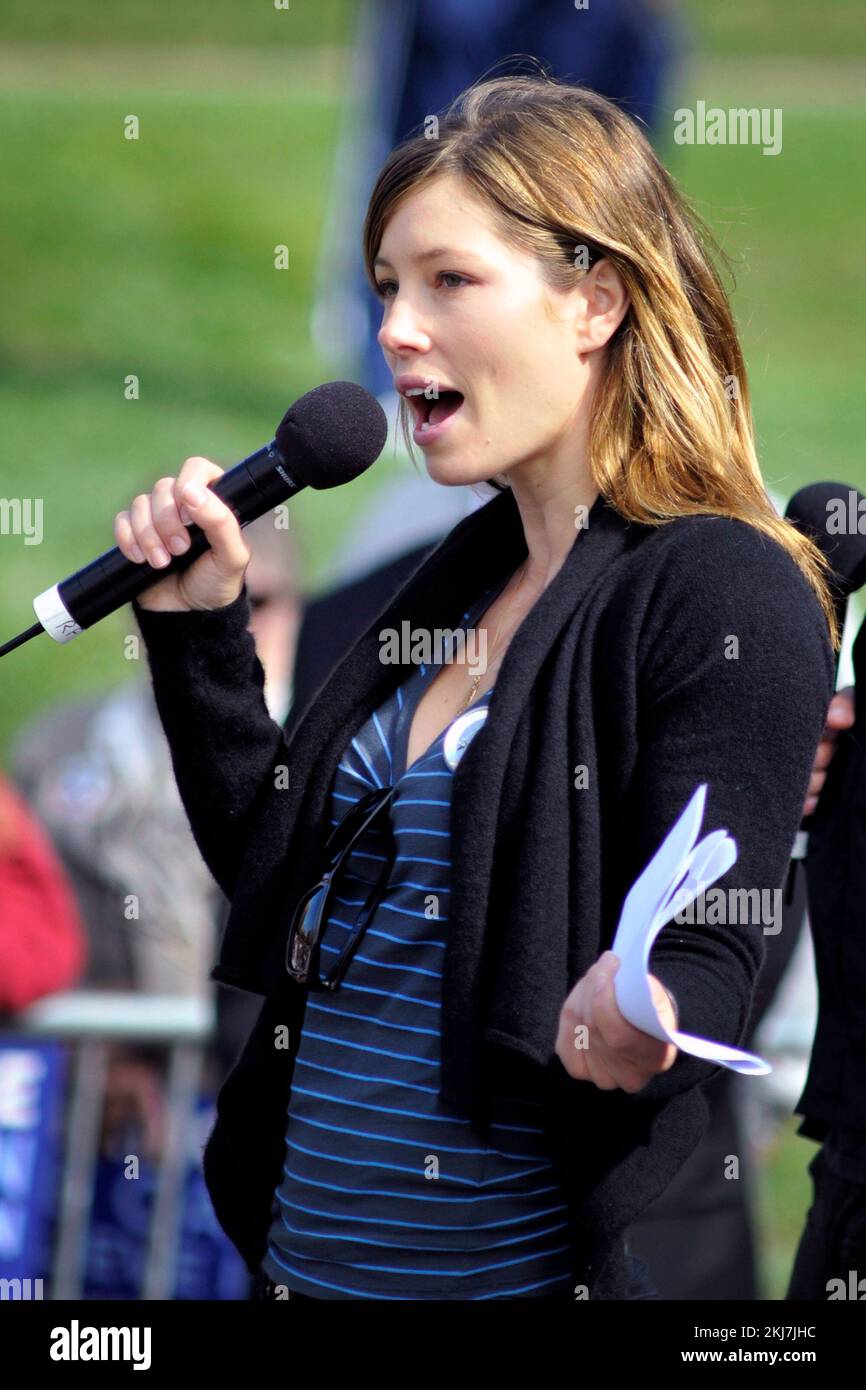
(831, 1257)
(43, 947)
(97, 773)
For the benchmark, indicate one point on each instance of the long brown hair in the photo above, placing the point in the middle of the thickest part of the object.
(561, 168)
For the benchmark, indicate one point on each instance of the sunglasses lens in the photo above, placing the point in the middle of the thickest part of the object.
(311, 912)
(306, 931)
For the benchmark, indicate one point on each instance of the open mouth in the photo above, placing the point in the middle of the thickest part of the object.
(433, 410)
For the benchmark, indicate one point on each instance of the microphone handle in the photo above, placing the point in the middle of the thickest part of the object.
(251, 488)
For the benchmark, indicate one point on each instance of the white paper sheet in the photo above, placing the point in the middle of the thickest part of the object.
(676, 875)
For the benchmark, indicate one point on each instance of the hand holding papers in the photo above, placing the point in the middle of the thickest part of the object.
(676, 875)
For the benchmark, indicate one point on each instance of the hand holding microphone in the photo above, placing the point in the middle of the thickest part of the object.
(153, 530)
(328, 437)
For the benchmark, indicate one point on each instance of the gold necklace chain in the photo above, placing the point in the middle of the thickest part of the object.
(476, 680)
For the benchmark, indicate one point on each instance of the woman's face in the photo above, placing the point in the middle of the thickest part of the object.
(477, 317)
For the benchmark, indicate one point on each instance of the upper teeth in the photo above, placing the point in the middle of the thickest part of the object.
(416, 390)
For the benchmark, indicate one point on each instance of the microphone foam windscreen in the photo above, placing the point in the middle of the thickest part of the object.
(833, 515)
(332, 434)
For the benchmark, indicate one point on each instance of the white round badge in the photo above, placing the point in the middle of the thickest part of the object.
(461, 733)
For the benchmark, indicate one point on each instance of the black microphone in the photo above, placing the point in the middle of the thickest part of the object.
(833, 515)
(328, 437)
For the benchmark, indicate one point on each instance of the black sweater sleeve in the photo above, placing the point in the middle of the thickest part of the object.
(226, 750)
(736, 674)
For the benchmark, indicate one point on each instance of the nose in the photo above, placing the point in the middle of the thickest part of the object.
(401, 331)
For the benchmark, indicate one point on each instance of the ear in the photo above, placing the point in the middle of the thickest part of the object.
(602, 304)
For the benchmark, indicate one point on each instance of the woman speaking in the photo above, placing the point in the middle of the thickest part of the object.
(440, 1098)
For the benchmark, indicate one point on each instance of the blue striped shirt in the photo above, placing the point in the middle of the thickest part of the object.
(384, 1192)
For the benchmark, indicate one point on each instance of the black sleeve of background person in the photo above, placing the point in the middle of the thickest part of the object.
(332, 622)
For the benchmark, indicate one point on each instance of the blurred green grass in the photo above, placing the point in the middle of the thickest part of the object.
(152, 257)
(751, 27)
(764, 28)
(305, 23)
(155, 257)
(783, 1196)
(794, 226)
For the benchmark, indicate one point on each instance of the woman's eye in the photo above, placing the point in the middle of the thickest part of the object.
(384, 286)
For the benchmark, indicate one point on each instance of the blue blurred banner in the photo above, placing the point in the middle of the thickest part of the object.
(33, 1078)
(32, 1081)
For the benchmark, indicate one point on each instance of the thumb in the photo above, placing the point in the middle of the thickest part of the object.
(840, 715)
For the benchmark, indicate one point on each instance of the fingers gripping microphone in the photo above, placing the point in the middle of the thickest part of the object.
(328, 437)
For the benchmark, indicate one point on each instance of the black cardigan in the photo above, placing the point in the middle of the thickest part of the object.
(623, 666)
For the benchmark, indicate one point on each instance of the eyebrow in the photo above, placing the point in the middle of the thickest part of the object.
(430, 255)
